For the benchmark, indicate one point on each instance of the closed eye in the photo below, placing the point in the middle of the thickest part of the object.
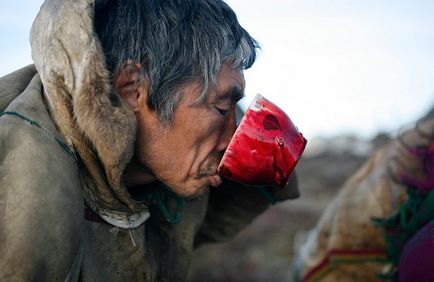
(222, 112)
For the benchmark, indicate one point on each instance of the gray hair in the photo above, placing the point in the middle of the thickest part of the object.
(176, 41)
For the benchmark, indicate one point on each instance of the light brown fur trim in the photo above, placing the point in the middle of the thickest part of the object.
(83, 103)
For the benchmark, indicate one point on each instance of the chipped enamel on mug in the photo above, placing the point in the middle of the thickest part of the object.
(265, 147)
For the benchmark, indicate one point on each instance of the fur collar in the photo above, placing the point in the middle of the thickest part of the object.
(88, 112)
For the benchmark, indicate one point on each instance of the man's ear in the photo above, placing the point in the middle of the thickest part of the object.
(129, 85)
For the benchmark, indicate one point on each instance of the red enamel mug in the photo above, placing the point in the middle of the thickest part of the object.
(265, 147)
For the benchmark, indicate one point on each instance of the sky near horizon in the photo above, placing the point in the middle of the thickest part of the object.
(336, 66)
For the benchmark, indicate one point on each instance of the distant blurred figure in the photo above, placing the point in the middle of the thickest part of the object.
(380, 225)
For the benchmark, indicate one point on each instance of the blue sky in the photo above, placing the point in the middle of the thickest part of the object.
(336, 66)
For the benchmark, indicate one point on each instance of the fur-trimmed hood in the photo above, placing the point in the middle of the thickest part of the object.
(93, 118)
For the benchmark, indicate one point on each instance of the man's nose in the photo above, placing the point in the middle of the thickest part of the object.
(227, 133)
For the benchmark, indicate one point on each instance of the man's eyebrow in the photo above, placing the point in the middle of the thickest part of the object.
(234, 93)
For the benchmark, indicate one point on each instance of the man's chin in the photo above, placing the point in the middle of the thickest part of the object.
(197, 194)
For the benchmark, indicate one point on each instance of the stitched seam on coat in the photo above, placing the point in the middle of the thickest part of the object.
(62, 144)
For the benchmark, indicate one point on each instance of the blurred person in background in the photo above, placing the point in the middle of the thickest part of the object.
(380, 225)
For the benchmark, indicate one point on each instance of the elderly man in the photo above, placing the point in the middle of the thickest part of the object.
(111, 140)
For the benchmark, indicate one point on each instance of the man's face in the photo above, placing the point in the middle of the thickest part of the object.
(185, 154)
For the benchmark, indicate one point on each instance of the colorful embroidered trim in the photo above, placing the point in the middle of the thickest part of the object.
(338, 256)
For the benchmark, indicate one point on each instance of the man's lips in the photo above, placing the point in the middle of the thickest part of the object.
(215, 180)
(211, 175)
